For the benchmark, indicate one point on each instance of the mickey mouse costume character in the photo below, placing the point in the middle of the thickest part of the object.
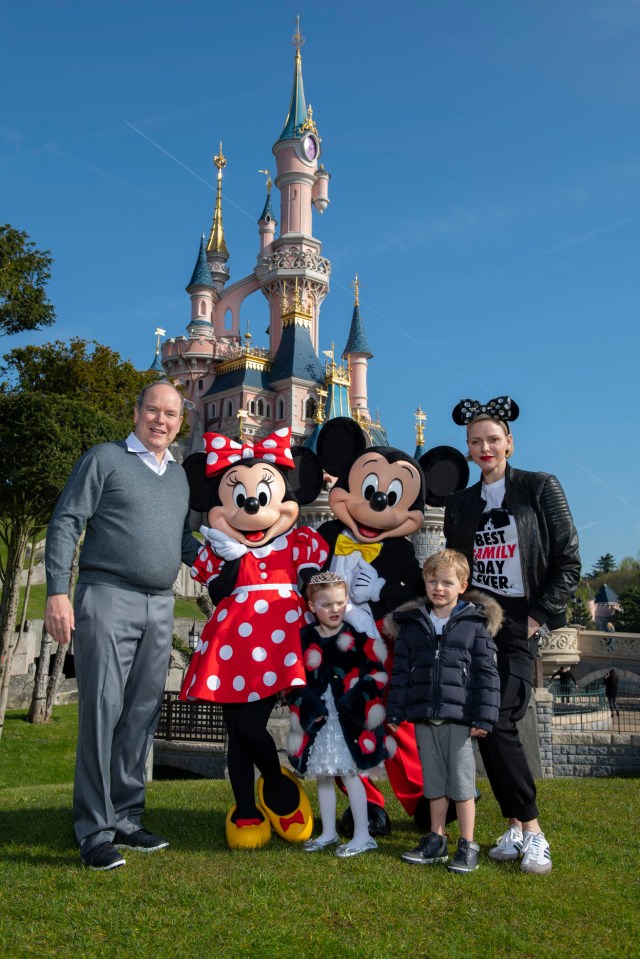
(249, 651)
(378, 500)
(516, 530)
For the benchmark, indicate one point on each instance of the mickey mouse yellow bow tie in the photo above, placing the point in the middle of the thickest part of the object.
(345, 546)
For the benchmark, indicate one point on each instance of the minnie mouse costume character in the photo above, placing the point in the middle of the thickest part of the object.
(378, 500)
(252, 562)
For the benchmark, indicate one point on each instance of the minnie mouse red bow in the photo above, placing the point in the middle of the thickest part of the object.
(223, 452)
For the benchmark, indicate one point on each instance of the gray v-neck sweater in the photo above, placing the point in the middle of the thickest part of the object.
(137, 529)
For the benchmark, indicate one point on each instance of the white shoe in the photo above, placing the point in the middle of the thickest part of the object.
(536, 855)
(509, 845)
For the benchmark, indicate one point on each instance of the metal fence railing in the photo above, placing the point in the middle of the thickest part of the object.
(191, 722)
(584, 709)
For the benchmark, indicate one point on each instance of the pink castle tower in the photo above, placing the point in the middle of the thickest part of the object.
(231, 385)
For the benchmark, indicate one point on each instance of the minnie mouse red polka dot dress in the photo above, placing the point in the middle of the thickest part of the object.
(250, 648)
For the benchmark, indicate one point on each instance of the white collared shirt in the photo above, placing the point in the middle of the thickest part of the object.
(135, 445)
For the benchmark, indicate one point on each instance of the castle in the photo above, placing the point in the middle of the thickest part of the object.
(239, 389)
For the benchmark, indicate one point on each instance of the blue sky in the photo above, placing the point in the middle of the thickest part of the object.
(485, 161)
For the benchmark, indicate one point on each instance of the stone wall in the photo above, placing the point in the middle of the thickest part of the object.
(596, 754)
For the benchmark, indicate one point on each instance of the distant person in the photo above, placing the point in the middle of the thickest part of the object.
(133, 499)
(445, 681)
(515, 527)
(565, 677)
(611, 691)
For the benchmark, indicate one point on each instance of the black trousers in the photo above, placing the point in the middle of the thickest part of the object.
(502, 752)
(251, 744)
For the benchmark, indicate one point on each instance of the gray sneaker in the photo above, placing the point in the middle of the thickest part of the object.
(466, 857)
(431, 848)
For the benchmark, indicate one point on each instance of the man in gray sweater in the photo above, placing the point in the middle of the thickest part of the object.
(133, 499)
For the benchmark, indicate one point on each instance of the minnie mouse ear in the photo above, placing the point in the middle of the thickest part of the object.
(456, 413)
(305, 479)
(339, 441)
(201, 488)
(446, 471)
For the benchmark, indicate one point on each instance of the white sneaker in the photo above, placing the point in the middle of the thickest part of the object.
(509, 846)
(536, 855)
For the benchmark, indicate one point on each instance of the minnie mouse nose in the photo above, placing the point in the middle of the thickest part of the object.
(378, 501)
(251, 505)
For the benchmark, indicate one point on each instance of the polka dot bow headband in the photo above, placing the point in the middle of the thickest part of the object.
(501, 408)
(223, 452)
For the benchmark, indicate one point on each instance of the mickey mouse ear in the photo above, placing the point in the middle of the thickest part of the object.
(446, 471)
(339, 441)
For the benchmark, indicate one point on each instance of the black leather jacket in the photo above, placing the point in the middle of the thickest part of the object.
(548, 538)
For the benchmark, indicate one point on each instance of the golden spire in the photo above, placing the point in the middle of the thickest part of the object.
(242, 414)
(297, 39)
(421, 419)
(269, 180)
(356, 289)
(216, 242)
(319, 414)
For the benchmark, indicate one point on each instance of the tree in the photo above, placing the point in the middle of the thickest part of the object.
(82, 369)
(628, 619)
(605, 564)
(42, 434)
(24, 273)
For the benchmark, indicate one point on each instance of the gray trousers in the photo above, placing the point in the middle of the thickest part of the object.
(121, 645)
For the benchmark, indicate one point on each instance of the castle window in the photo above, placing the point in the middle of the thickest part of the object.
(260, 408)
(268, 409)
(229, 408)
(203, 308)
(310, 407)
(280, 408)
(200, 384)
(228, 320)
(252, 407)
(212, 411)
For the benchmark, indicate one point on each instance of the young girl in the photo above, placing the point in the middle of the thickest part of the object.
(337, 718)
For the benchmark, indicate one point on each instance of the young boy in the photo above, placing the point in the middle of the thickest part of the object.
(445, 681)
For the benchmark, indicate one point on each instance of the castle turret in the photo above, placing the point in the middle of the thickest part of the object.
(267, 222)
(217, 252)
(202, 291)
(358, 354)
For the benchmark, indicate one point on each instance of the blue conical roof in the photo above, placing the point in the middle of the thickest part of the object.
(201, 275)
(267, 213)
(157, 366)
(357, 342)
(298, 107)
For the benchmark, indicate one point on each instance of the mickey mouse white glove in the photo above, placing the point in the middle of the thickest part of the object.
(222, 545)
(366, 585)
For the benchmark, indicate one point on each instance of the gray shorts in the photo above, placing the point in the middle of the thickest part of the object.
(447, 760)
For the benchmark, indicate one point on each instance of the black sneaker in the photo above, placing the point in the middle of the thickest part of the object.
(466, 857)
(142, 840)
(103, 856)
(430, 849)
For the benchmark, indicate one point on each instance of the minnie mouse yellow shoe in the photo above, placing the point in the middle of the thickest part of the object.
(247, 837)
(297, 826)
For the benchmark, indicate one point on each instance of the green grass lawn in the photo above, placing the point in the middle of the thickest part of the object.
(198, 899)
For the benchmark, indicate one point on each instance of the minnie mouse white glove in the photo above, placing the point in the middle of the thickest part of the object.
(222, 545)
(366, 585)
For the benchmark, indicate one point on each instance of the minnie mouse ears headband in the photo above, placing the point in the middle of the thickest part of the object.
(501, 408)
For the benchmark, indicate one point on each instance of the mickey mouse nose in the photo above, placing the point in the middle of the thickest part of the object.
(378, 501)
(251, 505)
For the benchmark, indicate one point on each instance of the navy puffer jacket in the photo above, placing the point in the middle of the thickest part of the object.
(452, 677)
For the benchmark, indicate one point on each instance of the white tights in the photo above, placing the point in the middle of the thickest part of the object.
(357, 799)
